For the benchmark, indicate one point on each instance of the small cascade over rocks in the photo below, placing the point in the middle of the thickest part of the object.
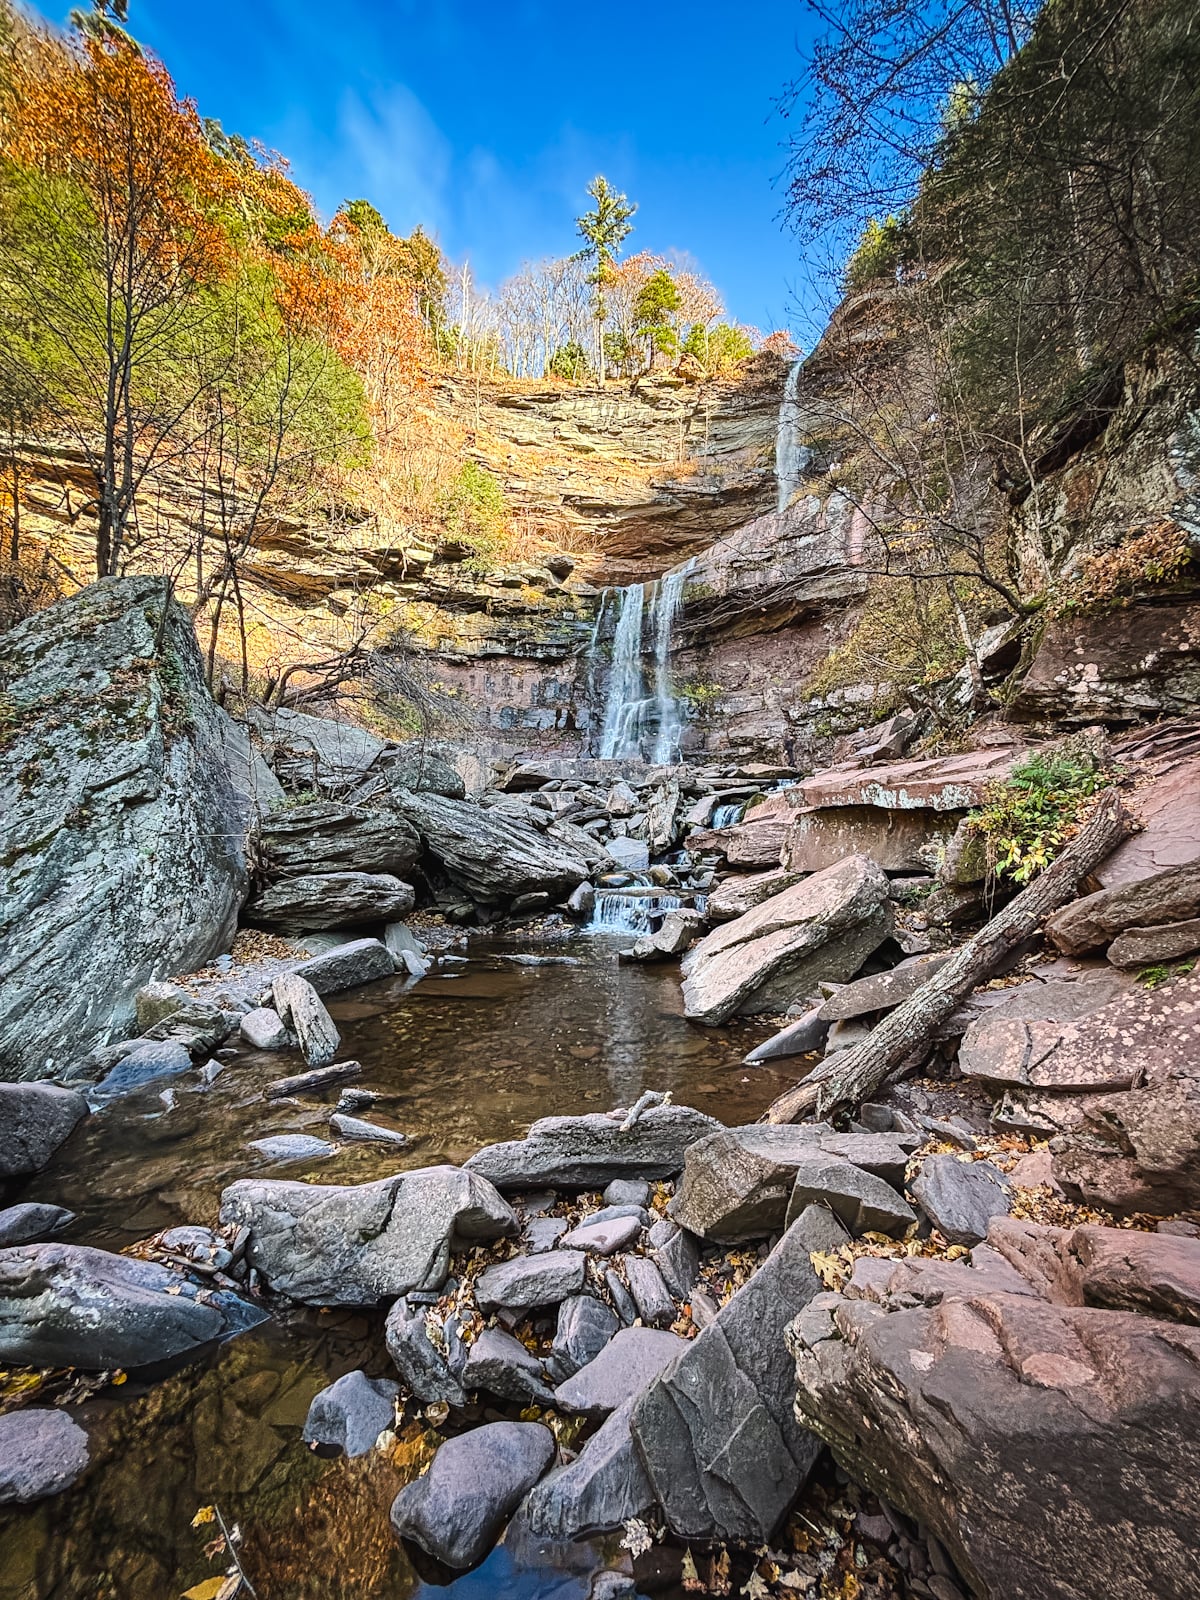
(643, 720)
(728, 815)
(791, 457)
(634, 910)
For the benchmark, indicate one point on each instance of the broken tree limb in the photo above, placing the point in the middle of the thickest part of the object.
(857, 1073)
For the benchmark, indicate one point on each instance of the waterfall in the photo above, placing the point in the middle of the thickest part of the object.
(633, 711)
(633, 911)
(728, 815)
(621, 730)
(791, 457)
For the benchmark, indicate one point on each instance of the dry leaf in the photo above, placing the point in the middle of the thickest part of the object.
(210, 1589)
(755, 1589)
(691, 1578)
(205, 1514)
(637, 1538)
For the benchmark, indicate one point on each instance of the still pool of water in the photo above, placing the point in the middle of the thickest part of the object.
(463, 1058)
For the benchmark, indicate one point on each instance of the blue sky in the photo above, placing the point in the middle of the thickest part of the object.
(484, 122)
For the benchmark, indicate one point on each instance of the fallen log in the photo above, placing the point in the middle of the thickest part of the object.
(312, 1082)
(855, 1074)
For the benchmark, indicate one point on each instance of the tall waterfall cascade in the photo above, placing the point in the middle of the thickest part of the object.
(791, 457)
(643, 718)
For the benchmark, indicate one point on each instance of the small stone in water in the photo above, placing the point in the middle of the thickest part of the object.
(291, 1147)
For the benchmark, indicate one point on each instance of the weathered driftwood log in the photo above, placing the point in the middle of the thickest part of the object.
(854, 1075)
(313, 1082)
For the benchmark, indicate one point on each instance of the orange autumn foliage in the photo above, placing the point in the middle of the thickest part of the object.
(104, 116)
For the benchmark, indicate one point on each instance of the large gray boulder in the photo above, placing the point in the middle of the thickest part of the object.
(122, 834)
(590, 1151)
(319, 900)
(357, 1244)
(35, 1118)
(960, 1198)
(630, 1360)
(31, 1220)
(67, 1305)
(322, 836)
(491, 856)
(716, 1432)
(456, 1511)
(598, 1492)
(737, 1184)
(347, 965)
(820, 930)
(41, 1453)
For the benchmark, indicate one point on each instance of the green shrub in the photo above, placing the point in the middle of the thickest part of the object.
(1028, 818)
(475, 511)
(877, 254)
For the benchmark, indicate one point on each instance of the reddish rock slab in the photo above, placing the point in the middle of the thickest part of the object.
(898, 841)
(1053, 1450)
(735, 896)
(1169, 811)
(756, 841)
(944, 783)
(1148, 947)
(1091, 923)
(1131, 665)
(1152, 1272)
(822, 929)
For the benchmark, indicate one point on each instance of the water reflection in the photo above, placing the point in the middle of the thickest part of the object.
(460, 1059)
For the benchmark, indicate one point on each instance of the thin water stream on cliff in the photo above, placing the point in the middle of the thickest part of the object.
(467, 1056)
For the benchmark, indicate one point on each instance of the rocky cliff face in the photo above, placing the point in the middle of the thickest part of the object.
(122, 832)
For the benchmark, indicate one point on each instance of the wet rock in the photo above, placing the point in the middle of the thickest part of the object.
(865, 1203)
(585, 1325)
(587, 1152)
(542, 1234)
(627, 1192)
(134, 806)
(146, 1063)
(582, 902)
(502, 1366)
(678, 1259)
(324, 836)
(491, 856)
(32, 1219)
(527, 1281)
(42, 1452)
(351, 1413)
(314, 1082)
(35, 1119)
(355, 962)
(805, 1036)
(631, 1359)
(291, 1147)
(737, 1184)
(603, 1237)
(360, 1132)
(960, 1198)
(421, 1363)
(64, 1305)
(456, 1511)
(598, 1492)
(1149, 947)
(402, 944)
(821, 929)
(264, 1029)
(1097, 919)
(300, 1008)
(716, 1432)
(331, 1244)
(330, 900)
(677, 932)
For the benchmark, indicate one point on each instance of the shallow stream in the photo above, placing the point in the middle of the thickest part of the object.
(468, 1056)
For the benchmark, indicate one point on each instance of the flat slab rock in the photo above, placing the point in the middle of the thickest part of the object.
(346, 966)
(527, 1281)
(457, 1510)
(716, 1432)
(821, 929)
(357, 1244)
(942, 783)
(1107, 1049)
(42, 1452)
(590, 1151)
(630, 1360)
(1094, 921)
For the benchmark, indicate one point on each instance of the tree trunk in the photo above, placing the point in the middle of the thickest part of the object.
(854, 1075)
